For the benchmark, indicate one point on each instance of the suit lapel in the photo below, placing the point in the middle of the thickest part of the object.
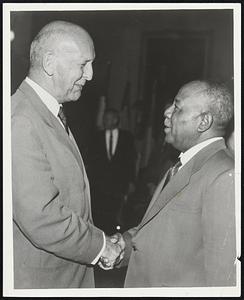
(176, 184)
(83, 169)
(180, 180)
(103, 145)
(118, 144)
(156, 194)
(50, 120)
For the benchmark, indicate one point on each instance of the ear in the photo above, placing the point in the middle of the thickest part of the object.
(48, 63)
(206, 122)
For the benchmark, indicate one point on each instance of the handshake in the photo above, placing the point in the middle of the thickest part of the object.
(113, 252)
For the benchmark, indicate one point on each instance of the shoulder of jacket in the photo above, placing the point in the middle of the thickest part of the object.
(217, 165)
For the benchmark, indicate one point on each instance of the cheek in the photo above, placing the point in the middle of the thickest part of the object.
(180, 128)
(72, 75)
(63, 76)
(180, 121)
(77, 74)
(60, 72)
(71, 79)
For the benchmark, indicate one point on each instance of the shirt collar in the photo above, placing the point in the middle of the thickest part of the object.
(51, 103)
(114, 131)
(186, 156)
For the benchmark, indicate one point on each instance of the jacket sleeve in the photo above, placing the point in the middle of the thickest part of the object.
(38, 209)
(219, 234)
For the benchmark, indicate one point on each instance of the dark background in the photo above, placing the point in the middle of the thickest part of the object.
(142, 58)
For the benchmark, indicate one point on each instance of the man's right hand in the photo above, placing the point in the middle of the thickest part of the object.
(113, 252)
(118, 238)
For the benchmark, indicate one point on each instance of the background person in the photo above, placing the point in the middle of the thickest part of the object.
(111, 167)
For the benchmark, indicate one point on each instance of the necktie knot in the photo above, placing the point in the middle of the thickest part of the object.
(176, 167)
(63, 118)
(172, 171)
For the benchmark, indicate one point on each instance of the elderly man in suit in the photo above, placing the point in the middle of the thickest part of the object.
(187, 235)
(111, 167)
(55, 241)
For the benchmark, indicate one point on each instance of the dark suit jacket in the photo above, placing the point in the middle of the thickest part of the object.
(53, 233)
(111, 177)
(187, 236)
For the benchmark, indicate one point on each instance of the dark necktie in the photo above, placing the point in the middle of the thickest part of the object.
(63, 119)
(172, 171)
(110, 150)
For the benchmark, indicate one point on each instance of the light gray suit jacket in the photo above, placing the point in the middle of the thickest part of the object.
(187, 236)
(55, 240)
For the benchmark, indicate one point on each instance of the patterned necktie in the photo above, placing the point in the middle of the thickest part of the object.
(110, 150)
(172, 171)
(63, 119)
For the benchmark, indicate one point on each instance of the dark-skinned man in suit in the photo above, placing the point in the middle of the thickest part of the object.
(187, 237)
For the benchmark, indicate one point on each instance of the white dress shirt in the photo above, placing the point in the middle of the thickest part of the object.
(53, 105)
(186, 156)
(115, 134)
(50, 102)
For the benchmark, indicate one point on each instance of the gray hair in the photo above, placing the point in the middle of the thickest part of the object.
(220, 103)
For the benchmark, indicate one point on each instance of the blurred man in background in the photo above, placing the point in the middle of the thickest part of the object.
(111, 167)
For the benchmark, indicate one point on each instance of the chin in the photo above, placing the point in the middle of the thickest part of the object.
(168, 139)
(75, 99)
(75, 96)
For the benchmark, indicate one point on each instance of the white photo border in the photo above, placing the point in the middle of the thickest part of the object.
(8, 290)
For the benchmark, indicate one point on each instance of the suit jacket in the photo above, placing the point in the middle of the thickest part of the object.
(54, 237)
(187, 236)
(112, 176)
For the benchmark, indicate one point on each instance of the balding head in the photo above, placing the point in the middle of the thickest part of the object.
(56, 36)
(61, 59)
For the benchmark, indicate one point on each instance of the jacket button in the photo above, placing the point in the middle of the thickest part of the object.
(134, 247)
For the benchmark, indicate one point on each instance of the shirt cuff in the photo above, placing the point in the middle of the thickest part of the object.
(95, 260)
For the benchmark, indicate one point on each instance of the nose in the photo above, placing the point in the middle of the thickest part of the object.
(88, 71)
(168, 111)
